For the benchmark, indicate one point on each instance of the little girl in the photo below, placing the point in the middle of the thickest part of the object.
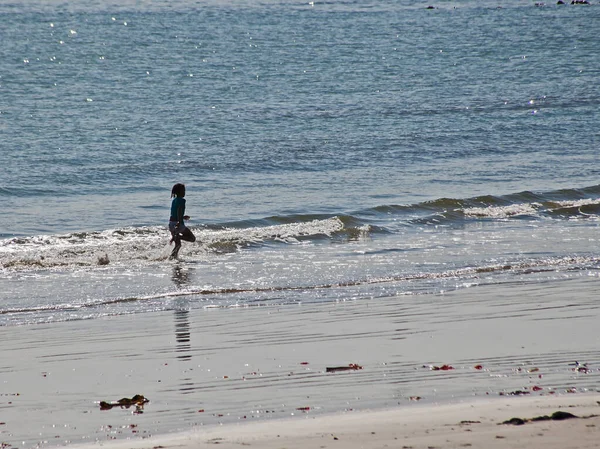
(177, 227)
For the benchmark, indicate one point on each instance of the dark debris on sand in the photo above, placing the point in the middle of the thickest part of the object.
(556, 416)
(138, 401)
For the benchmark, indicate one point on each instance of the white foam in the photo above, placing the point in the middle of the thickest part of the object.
(502, 211)
(579, 203)
(287, 233)
(144, 244)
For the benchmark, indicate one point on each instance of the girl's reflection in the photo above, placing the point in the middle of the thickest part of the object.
(181, 277)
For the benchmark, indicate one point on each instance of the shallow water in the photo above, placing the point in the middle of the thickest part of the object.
(425, 248)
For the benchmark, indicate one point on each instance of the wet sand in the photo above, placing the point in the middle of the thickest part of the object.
(244, 371)
(476, 424)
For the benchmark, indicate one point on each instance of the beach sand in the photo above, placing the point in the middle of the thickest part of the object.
(475, 424)
(259, 375)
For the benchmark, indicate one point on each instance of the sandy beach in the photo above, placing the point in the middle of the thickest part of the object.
(263, 375)
(475, 424)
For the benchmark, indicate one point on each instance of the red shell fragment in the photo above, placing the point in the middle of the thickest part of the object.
(441, 368)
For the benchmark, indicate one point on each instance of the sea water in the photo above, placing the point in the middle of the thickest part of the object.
(332, 151)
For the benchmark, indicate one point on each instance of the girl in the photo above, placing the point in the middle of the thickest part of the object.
(177, 227)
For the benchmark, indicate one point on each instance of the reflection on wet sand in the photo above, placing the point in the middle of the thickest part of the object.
(182, 335)
(183, 346)
(181, 278)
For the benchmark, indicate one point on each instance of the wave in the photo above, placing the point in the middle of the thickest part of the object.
(150, 243)
(559, 204)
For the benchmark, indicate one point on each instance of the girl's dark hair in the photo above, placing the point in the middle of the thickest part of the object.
(177, 190)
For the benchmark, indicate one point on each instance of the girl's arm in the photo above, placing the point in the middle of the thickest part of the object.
(180, 216)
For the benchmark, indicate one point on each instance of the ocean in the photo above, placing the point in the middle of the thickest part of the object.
(333, 152)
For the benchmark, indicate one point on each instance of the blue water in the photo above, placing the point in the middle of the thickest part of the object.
(331, 151)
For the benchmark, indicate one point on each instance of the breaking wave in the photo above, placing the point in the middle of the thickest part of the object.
(150, 244)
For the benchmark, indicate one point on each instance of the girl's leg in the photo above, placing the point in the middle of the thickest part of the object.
(180, 234)
(175, 251)
(187, 235)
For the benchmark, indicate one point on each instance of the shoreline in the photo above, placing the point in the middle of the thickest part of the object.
(477, 423)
